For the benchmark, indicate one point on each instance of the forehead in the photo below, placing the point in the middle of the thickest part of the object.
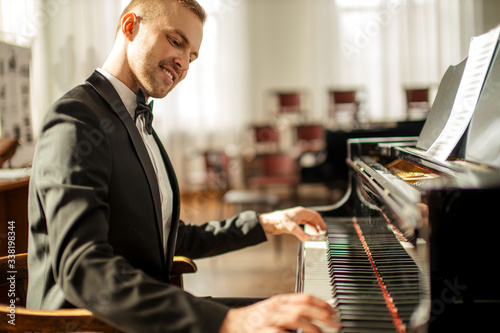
(174, 17)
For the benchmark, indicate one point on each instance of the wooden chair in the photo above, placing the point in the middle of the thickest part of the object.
(265, 138)
(64, 320)
(344, 108)
(310, 138)
(290, 102)
(275, 170)
(291, 105)
(262, 172)
(417, 102)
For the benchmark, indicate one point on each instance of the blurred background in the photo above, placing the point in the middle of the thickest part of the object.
(275, 81)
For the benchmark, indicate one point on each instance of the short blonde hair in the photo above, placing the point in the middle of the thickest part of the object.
(150, 8)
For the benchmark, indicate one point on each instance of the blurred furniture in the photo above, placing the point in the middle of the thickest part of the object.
(207, 170)
(290, 102)
(417, 101)
(278, 169)
(217, 170)
(343, 108)
(63, 320)
(310, 147)
(8, 147)
(261, 172)
(292, 105)
(310, 138)
(265, 138)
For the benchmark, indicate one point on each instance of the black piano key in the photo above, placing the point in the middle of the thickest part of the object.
(367, 317)
(386, 325)
(356, 309)
(364, 330)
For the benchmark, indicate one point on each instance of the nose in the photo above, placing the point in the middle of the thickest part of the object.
(182, 62)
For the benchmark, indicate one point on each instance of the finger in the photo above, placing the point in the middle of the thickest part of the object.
(318, 220)
(299, 233)
(307, 300)
(305, 326)
(318, 226)
(312, 218)
(305, 317)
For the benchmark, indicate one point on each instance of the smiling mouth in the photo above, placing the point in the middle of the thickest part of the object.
(168, 73)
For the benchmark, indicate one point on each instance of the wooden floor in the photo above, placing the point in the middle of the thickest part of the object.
(259, 271)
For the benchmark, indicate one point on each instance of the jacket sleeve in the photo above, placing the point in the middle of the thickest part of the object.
(71, 184)
(217, 237)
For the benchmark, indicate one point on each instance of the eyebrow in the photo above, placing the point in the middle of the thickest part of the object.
(185, 39)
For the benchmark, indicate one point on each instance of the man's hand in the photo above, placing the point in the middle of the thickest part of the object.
(280, 313)
(288, 221)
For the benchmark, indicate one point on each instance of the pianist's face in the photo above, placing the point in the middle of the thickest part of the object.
(163, 47)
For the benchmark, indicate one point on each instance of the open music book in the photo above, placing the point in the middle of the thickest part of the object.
(465, 116)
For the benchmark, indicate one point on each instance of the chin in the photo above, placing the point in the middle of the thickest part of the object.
(157, 93)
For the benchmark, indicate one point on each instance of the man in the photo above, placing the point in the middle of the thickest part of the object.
(104, 200)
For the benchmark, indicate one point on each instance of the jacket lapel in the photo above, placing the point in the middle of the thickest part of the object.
(106, 90)
(176, 206)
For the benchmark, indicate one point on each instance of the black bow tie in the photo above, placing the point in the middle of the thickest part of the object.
(146, 110)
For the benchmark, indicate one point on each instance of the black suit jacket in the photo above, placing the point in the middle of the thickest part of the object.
(95, 222)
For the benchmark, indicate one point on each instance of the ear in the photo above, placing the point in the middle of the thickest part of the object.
(128, 24)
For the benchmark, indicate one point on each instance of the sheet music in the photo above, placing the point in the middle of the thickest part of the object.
(483, 139)
(481, 50)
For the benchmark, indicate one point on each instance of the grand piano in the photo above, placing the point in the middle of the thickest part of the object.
(412, 245)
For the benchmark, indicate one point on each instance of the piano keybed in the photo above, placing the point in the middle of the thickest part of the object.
(372, 280)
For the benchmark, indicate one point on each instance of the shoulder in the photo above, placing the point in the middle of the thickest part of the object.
(81, 105)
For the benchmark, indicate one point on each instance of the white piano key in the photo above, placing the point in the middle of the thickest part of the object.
(316, 277)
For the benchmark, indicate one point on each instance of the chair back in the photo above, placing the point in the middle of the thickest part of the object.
(266, 134)
(417, 103)
(289, 102)
(417, 95)
(265, 139)
(310, 138)
(343, 96)
(343, 108)
(287, 105)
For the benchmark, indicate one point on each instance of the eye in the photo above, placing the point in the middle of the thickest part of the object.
(174, 41)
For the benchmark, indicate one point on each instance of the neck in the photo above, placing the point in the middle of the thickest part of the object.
(117, 65)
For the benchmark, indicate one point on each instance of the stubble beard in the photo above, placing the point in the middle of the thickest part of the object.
(147, 76)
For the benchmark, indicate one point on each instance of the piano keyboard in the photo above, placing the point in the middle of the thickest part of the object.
(367, 274)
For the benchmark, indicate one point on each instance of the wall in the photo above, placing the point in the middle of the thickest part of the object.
(288, 47)
(281, 49)
(490, 14)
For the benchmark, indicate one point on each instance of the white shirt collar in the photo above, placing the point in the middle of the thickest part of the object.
(128, 97)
